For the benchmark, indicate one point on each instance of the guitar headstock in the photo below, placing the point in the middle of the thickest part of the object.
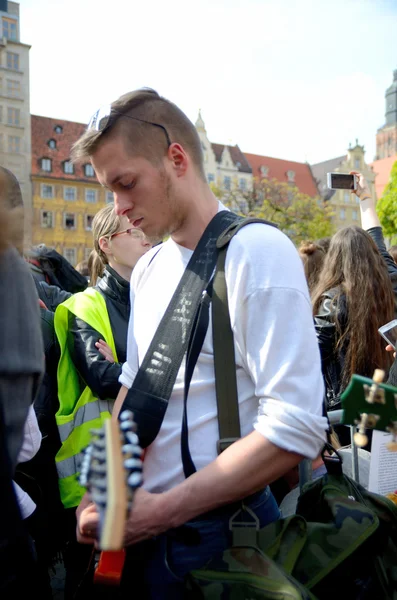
(111, 471)
(370, 404)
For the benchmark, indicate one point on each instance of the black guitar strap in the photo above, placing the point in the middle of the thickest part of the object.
(152, 387)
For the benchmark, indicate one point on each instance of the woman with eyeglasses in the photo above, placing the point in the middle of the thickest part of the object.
(91, 327)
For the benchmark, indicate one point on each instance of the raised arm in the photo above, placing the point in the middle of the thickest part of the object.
(370, 222)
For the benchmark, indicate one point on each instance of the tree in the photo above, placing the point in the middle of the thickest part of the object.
(298, 215)
(387, 207)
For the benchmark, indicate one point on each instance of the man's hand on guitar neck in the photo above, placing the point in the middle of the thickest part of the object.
(147, 519)
(87, 521)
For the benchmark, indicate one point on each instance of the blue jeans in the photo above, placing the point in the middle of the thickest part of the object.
(157, 568)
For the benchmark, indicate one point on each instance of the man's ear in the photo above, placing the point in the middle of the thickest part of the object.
(104, 244)
(179, 158)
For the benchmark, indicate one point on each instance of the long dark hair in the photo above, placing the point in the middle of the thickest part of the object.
(355, 267)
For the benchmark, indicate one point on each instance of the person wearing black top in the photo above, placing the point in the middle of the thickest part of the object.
(117, 248)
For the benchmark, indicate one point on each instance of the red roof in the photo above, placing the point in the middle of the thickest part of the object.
(382, 169)
(43, 130)
(278, 168)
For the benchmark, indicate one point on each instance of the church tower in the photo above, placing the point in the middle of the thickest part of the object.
(386, 138)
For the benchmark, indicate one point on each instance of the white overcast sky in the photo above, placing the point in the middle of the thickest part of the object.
(294, 79)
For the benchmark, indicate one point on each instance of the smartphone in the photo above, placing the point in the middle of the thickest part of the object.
(389, 333)
(342, 181)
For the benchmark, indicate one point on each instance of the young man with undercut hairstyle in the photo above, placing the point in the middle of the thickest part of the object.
(146, 151)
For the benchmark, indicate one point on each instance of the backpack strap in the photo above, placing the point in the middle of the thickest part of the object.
(224, 356)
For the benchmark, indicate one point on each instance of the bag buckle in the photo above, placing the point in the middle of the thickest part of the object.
(244, 531)
(224, 443)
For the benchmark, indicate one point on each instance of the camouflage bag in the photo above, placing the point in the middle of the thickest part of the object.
(257, 565)
(351, 538)
(341, 541)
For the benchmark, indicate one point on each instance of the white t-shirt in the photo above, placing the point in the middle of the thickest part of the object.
(30, 446)
(280, 384)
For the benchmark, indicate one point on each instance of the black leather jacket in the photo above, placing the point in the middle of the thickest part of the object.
(96, 372)
(51, 295)
(333, 309)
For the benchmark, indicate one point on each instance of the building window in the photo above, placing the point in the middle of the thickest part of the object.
(291, 176)
(211, 177)
(46, 164)
(58, 129)
(242, 185)
(69, 221)
(346, 196)
(264, 171)
(70, 255)
(47, 219)
(10, 29)
(357, 163)
(342, 214)
(69, 193)
(13, 88)
(13, 61)
(88, 222)
(89, 171)
(227, 182)
(52, 144)
(90, 196)
(47, 191)
(357, 199)
(14, 144)
(355, 215)
(109, 198)
(87, 252)
(13, 116)
(68, 167)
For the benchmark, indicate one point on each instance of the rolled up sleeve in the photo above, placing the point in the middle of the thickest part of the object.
(283, 359)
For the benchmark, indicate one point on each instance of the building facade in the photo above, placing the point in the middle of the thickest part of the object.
(346, 206)
(66, 197)
(15, 126)
(228, 168)
(386, 137)
(225, 166)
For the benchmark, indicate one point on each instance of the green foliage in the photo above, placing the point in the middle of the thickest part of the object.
(387, 207)
(298, 215)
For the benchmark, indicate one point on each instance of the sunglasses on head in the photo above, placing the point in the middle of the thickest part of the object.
(105, 117)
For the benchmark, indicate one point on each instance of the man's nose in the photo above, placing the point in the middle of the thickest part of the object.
(121, 204)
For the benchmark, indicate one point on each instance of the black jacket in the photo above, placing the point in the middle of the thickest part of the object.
(51, 295)
(95, 371)
(334, 310)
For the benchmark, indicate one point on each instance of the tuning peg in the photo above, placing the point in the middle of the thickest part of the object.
(132, 438)
(392, 446)
(126, 415)
(366, 422)
(133, 463)
(99, 498)
(135, 480)
(374, 393)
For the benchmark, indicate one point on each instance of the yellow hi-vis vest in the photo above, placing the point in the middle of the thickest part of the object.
(79, 411)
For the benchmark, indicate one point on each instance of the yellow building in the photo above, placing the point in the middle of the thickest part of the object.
(65, 196)
(346, 206)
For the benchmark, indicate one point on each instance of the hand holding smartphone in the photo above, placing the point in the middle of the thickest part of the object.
(389, 333)
(342, 181)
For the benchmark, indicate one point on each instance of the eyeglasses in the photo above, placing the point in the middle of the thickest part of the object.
(101, 120)
(132, 231)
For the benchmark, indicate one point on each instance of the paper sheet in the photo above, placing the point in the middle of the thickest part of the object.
(383, 466)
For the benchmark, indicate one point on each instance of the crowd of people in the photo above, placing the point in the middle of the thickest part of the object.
(304, 320)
